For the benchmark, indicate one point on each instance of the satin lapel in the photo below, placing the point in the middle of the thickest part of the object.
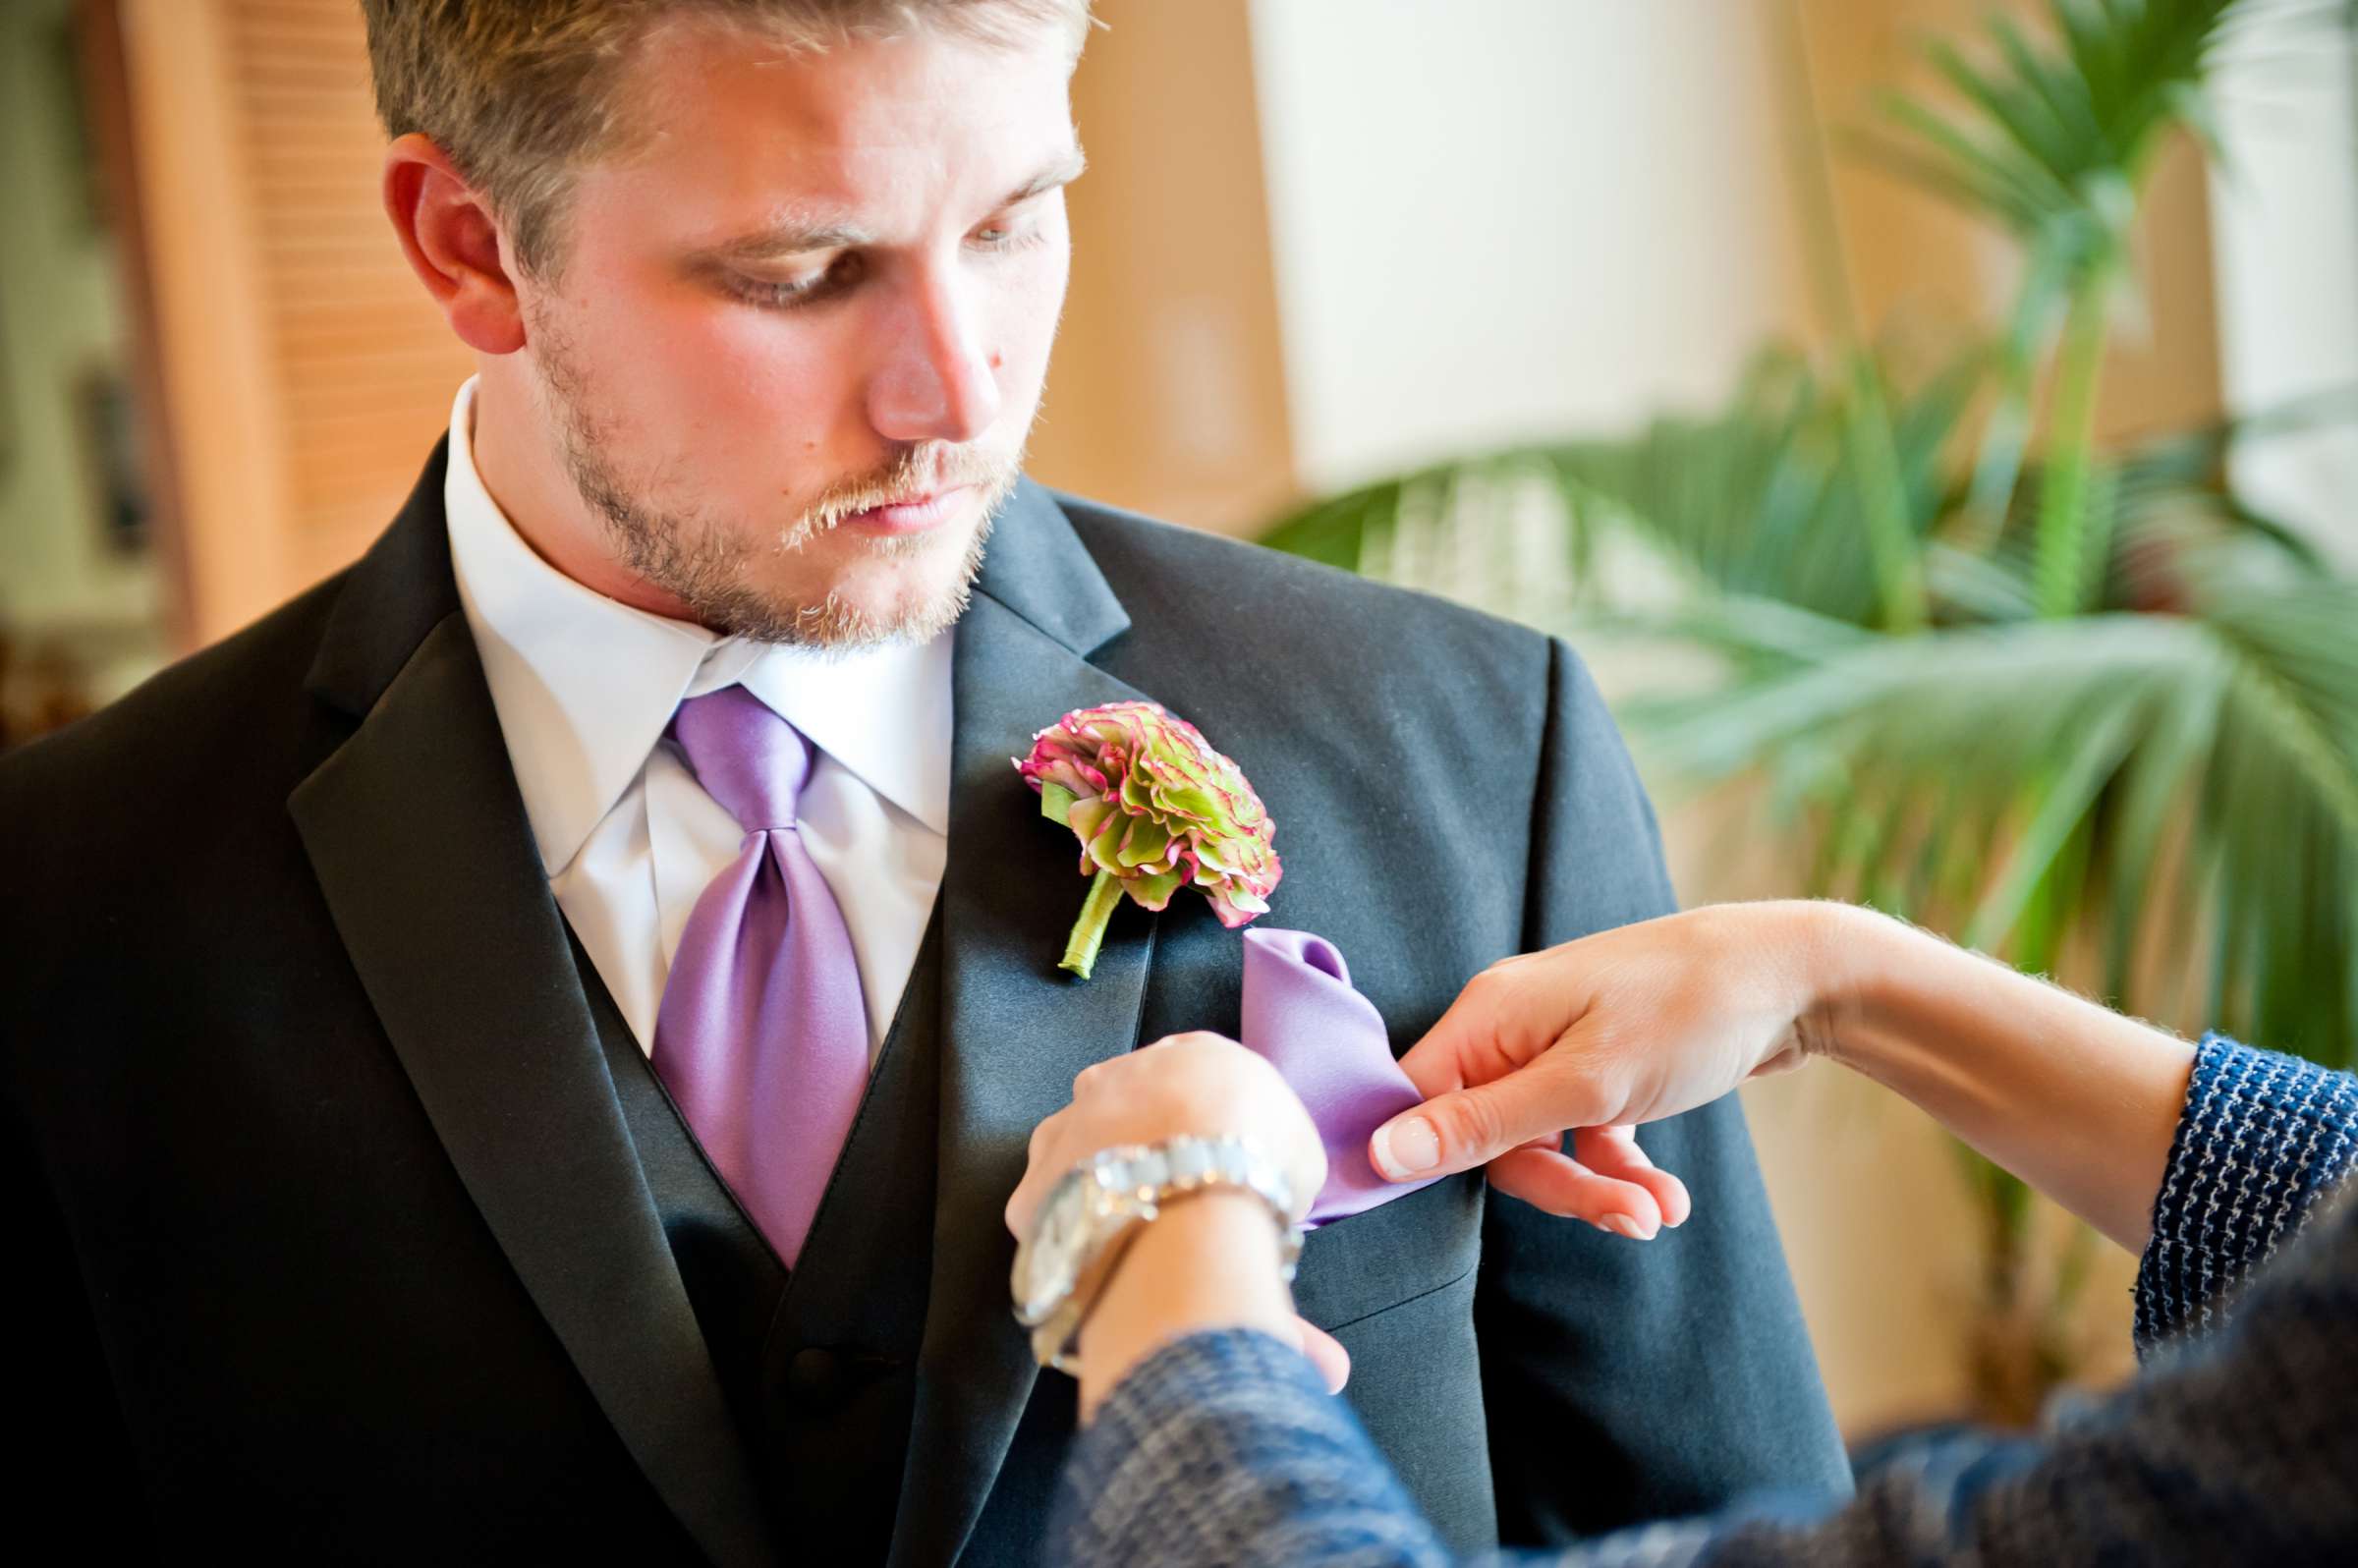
(1015, 1030)
(419, 838)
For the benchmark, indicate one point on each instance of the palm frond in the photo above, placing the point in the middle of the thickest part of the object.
(2051, 137)
(1764, 497)
(2109, 738)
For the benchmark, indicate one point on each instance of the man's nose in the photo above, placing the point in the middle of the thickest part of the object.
(936, 381)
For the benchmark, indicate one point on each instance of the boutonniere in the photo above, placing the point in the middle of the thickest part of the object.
(1156, 809)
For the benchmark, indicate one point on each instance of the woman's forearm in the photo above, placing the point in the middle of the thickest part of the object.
(2077, 1100)
(1208, 1262)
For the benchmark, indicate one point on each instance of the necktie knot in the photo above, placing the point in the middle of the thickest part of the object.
(746, 757)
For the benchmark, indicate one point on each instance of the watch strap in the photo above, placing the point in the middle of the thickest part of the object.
(1125, 1188)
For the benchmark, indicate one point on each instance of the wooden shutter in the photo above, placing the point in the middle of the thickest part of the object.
(305, 371)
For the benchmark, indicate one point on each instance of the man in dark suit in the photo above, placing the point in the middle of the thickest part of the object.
(364, 1216)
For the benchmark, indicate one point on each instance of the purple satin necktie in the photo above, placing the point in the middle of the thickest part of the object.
(762, 1035)
(1328, 1041)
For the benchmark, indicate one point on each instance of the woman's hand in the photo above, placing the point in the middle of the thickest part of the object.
(1628, 1026)
(1196, 1085)
(1637, 1024)
(1210, 1261)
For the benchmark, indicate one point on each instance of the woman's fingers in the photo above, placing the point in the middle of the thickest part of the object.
(1613, 1152)
(1325, 1353)
(1561, 1184)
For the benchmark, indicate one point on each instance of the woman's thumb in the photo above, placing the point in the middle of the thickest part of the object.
(1464, 1128)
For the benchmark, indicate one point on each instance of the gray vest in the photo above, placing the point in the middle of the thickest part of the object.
(817, 1367)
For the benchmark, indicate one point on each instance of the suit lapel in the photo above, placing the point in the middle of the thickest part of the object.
(420, 841)
(1015, 1030)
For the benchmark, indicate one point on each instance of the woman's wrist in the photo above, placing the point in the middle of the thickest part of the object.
(1210, 1261)
(1856, 966)
(2075, 1099)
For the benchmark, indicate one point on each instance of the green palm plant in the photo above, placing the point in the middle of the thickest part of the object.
(2083, 708)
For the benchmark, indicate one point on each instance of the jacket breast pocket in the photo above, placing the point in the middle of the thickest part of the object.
(1410, 1247)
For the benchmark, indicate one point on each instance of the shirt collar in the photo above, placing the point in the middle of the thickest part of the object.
(585, 685)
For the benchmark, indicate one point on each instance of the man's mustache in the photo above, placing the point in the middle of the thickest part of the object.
(914, 474)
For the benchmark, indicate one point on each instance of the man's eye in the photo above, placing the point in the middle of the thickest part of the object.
(770, 291)
(783, 292)
(1003, 236)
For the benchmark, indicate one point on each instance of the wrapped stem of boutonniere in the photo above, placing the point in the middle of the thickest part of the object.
(1156, 809)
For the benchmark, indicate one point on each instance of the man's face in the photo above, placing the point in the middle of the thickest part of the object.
(793, 347)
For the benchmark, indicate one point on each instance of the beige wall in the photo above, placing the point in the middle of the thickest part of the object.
(1167, 394)
(1516, 218)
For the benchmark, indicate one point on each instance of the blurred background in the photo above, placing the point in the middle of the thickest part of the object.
(1933, 419)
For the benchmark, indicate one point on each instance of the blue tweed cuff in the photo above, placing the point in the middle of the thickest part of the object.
(2262, 1138)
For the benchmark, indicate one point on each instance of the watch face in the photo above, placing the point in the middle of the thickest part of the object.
(1047, 1263)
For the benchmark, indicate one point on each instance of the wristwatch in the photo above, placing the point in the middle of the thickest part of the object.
(1102, 1201)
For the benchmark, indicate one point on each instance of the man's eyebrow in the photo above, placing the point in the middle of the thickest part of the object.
(787, 238)
(803, 237)
(1063, 171)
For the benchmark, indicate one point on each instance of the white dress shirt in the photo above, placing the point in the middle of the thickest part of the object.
(584, 687)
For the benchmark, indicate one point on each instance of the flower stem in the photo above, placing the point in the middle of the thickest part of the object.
(1089, 932)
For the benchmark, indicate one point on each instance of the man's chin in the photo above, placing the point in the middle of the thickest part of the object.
(907, 588)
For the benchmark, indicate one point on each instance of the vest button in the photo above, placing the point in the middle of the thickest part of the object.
(816, 1379)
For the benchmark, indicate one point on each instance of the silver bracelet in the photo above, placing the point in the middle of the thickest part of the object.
(1104, 1202)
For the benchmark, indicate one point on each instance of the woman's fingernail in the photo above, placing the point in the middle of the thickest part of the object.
(1627, 1225)
(1406, 1147)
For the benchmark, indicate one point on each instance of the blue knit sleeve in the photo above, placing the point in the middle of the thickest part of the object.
(1225, 1449)
(2261, 1137)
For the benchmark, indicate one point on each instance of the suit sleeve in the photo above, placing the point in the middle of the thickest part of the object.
(1627, 1382)
(77, 1464)
(74, 1462)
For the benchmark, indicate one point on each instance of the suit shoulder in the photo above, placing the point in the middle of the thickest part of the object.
(1215, 585)
(192, 714)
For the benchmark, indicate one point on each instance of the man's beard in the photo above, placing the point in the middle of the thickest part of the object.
(698, 561)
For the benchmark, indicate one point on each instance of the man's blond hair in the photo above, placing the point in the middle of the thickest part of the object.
(521, 93)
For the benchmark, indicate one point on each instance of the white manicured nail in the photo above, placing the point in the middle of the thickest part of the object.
(1406, 1147)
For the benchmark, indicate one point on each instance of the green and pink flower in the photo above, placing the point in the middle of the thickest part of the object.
(1156, 809)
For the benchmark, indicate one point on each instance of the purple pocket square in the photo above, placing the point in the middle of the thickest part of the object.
(1303, 1017)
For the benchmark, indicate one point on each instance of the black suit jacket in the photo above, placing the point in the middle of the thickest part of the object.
(331, 1238)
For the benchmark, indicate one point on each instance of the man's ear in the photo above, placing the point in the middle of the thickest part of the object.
(447, 232)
